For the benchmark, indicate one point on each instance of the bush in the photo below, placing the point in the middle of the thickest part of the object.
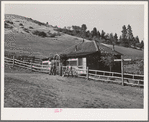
(31, 27)
(9, 22)
(53, 35)
(26, 30)
(42, 34)
(21, 24)
(8, 26)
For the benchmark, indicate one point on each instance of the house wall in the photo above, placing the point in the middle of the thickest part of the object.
(81, 62)
(93, 62)
(84, 63)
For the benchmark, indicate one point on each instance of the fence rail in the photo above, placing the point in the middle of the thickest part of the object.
(32, 66)
(130, 79)
(115, 77)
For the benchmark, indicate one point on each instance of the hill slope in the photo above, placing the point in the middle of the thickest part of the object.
(128, 52)
(26, 36)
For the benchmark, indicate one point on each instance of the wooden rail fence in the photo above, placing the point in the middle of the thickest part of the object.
(28, 65)
(129, 79)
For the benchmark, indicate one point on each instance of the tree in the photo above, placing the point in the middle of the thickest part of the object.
(102, 34)
(74, 30)
(129, 35)
(116, 38)
(124, 41)
(133, 42)
(136, 42)
(124, 32)
(83, 30)
(84, 27)
(137, 39)
(98, 34)
(94, 32)
(65, 30)
(129, 32)
(142, 44)
(108, 61)
(87, 34)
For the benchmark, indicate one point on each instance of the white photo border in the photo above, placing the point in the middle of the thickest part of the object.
(76, 114)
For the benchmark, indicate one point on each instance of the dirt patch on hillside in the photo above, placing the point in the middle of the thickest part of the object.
(42, 90)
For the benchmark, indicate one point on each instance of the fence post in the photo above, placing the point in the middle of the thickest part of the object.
(60, 69)
(87, 73)
(31, 66)
(122, 71)
(13, 61)
(49, 68)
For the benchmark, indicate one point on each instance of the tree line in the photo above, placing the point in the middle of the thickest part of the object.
(126, 39)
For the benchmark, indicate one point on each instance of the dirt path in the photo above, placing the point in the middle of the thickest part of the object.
(42, 90)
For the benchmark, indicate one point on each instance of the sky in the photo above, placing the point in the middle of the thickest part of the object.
(109, 18)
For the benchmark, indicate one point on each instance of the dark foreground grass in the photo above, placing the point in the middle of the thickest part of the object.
(19, 93)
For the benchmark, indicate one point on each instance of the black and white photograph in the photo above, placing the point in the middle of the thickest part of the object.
(77, 60)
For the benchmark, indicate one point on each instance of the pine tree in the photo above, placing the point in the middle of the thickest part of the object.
(94, 32)
(124, 41)
(102, 34)
(124, 32)
(142, 44)
(84, 27)
(129, 35)
(83, 30)
(98, 34)
(137, 39)
(116, 38)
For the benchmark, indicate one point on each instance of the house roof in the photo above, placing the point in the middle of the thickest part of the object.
(86, 48)
(106, 50)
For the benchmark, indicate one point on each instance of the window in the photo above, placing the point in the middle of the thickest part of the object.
(80, 62)
(73, 63)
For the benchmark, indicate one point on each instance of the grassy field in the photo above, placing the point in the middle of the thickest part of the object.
(35, 90)
(33, 45)
(19, 41)
(128, 52)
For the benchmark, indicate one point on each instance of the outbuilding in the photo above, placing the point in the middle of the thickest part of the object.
(88, 54)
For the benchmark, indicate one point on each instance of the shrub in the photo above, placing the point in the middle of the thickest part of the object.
(21, 24)
(42, 34)
(26, 30)
(31, 27)
(53, 35)
(8, 26)
(9, 22)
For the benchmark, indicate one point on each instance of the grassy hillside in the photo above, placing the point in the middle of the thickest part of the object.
(20, 37)
(27, 36)
(128, 52)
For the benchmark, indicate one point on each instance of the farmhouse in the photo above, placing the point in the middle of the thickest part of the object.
(88, 54)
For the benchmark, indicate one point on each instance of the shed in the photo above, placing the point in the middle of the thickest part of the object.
(88, 54)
